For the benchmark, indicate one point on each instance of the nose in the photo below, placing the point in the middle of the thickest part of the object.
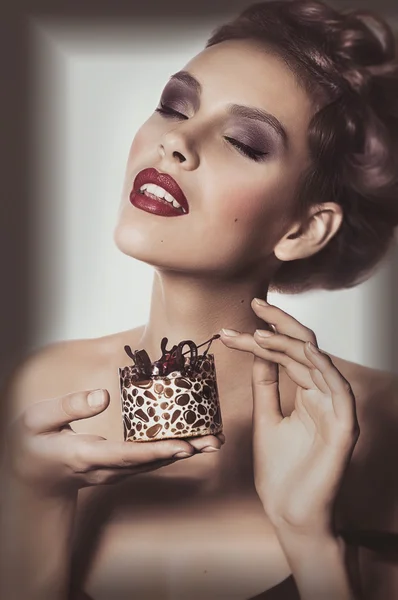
(175, 146)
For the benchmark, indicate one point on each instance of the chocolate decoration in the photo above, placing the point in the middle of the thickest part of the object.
(182, 399)
(175, 416)
(183, 382)
(154, 430)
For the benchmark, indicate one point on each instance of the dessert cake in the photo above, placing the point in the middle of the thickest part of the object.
(173, 397)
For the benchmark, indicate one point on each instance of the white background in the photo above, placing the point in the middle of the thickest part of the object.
(92, 89)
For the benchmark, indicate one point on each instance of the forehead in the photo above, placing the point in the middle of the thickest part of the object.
(246, 72)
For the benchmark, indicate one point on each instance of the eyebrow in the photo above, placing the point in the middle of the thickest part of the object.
(238, 110)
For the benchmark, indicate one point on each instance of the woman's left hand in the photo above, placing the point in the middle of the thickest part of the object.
(299, 460)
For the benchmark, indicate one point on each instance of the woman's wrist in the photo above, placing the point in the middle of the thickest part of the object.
(318, 563)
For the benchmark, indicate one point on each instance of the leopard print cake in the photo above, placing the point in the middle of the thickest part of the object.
(173, 406)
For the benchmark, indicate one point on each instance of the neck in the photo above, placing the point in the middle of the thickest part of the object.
(190, 308)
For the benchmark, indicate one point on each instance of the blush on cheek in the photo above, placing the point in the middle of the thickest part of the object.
(240, 209)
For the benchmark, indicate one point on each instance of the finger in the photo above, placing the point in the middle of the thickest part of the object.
(54, 414)
(319, 381)
(206, 443)
(265, 385)
(284, 323)
(131, 454)
(111, 476)
(292, 347)
(340, 389)
(266, 399)
(246, 342)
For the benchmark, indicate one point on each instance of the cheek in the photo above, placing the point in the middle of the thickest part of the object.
(246, 207)
(139, 143)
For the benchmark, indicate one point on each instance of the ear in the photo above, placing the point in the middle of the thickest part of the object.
(311, 235)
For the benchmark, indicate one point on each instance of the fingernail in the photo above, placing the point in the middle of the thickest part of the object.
(96, 398)
(261, 302)
(230, 332)
(210, 449)
(264, 333)
(182, 455)
(221, 437)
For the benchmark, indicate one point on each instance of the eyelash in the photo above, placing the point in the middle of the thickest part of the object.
(255, 155)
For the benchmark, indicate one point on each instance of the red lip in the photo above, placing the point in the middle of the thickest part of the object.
(152, 205)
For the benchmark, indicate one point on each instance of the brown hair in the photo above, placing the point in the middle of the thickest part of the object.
(347, 63)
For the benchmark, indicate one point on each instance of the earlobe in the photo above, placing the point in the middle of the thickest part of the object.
(309, 237)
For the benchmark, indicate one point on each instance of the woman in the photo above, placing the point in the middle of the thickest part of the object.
(278, 142)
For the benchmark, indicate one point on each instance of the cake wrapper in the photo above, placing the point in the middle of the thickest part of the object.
(177, 405)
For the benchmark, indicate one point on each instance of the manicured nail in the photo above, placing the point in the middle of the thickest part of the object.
(313, 348)
(96, 398)
(182, 455)
(230, 332)
(209, 449)
(264, 332)
(261, 302)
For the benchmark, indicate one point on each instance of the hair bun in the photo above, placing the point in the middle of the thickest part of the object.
(367, 39)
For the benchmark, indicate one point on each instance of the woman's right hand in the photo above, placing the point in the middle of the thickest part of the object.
(44, 452)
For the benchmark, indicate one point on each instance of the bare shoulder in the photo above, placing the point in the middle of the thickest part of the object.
(369, 494)
(63, 367)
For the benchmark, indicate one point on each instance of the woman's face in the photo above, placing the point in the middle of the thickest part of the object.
(239, 204)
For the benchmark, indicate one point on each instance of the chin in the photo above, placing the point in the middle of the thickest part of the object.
(173, 248)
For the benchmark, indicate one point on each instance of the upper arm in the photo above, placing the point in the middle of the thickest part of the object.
(379, 572)
(368, 498)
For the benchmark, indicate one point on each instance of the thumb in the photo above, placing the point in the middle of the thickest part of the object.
(52, 415)
(266, 399)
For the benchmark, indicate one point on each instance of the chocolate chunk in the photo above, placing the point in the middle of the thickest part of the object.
(140, 401)
(182, 399)
(184, 383)
(151, 411)
(145, 383)
(166, 416)
(198, 423)
(201, 409)
(180, 425)
(168, 392)
(158, 388)
(164, 405)
(206, 392)
(217, 416)
(156, 419)
(175, 415)
(149, 394)
(189, 416)
(141, 415)
(197, 397)
(154, 430)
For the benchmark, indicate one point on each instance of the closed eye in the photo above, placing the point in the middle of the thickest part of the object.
(255, 155)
